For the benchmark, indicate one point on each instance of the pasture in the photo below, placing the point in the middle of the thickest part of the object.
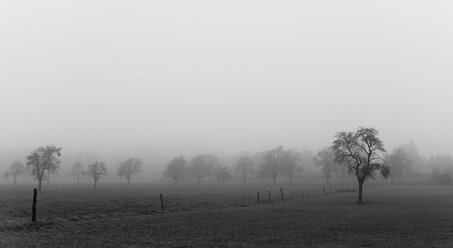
(226, 216)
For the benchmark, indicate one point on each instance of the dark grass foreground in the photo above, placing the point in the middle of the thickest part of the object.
(415, 216)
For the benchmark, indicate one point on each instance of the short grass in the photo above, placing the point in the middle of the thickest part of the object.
(226, 216)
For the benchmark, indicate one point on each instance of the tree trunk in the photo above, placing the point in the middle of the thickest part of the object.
(39, 184)
(128, 181)
(360, 190)
(14, 183)
(95, 182)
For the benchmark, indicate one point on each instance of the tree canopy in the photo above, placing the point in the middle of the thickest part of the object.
(44, 160)
(362, 151)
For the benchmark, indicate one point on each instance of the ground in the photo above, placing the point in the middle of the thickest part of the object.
(227, 216)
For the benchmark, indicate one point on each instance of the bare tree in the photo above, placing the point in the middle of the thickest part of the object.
(202, 165)
(16, 169)
(130, 167)
(271, 166)
(325, 159)
(290, 164)
(176, 168)
(224, 174)
(362, 150)
(244, 167)
(77, 171)
(96, 171)
(44, 161)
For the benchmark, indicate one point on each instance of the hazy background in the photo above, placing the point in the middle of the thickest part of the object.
(163, 78)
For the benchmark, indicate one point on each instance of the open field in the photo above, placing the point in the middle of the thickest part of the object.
(225, 216)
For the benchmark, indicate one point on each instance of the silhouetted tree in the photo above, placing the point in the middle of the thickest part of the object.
(44, 161)
(96, 171)
(290, 164)
(398, 162)
(271, 166)
(202, 165)
(16, 169)
(362, 150)
(224, 174)
(176, 168)
(325, 159)
(130, 167)
(244, 167)
(77, 171)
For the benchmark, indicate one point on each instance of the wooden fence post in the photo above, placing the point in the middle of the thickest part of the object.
(33, 208)
(162, 202)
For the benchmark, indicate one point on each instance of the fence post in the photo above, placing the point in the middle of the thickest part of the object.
(258, 197)
(281, 192)
(162, 202)
(33, 208)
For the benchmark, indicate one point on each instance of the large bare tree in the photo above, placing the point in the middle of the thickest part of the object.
(44, 160)
(362, 151)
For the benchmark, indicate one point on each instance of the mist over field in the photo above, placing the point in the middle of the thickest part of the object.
(226, 123)
(163, 78)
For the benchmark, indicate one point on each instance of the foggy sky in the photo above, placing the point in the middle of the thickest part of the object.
(224, 75)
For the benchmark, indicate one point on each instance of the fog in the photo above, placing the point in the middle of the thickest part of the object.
(157, 79)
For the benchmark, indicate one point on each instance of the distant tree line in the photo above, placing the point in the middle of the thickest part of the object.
(359, 153)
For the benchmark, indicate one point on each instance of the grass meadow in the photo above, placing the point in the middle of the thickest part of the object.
(226, 216)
